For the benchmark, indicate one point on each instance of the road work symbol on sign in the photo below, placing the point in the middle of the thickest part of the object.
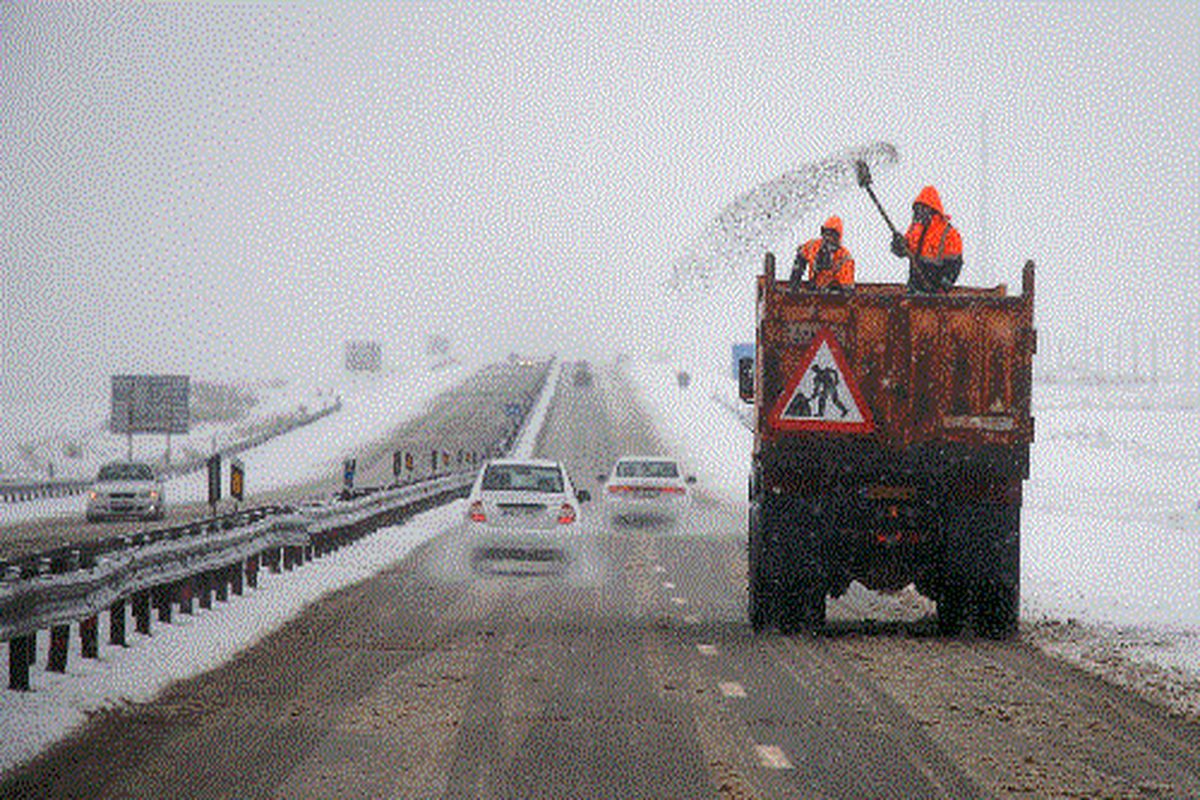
(822, 394)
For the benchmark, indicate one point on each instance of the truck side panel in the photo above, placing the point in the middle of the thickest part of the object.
(953, 368)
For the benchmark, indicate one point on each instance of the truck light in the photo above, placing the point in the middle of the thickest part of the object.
(476, 512)
(566, 514)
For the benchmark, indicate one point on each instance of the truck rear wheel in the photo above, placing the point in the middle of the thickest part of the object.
(804, 603)
(998, 594)
(997, 609)
(761, 602)
(951, 607)
(981, 569)
(760, 608)
(804, 609)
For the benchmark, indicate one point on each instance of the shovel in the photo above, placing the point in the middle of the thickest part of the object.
(864, 180)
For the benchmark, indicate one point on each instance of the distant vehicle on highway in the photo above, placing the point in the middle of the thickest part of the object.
(126, 489)
(583, 374)
(523, 514)
(646, 487)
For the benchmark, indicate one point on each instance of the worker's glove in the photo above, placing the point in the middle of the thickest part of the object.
(899, 245)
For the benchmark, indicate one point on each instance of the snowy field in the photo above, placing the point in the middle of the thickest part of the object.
(372, 404)
(1110, 557)
(1110, 543)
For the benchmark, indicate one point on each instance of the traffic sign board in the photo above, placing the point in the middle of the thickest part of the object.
(823, 393)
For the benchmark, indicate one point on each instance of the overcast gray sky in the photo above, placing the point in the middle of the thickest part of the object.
(227, 189)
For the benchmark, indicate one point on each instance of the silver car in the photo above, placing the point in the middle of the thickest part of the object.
(126, 489)
(523, 514)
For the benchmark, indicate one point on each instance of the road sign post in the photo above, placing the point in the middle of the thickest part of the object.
(214, 481)
(237, 480)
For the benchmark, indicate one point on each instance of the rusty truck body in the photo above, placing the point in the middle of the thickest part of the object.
(892, 436)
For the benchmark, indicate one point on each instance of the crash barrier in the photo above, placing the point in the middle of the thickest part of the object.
(22, 490)
(277, 428)
(162, 572)
(19, 491)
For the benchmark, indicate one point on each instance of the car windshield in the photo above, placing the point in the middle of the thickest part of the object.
(647, 469)
(126, 472)
(523, 478)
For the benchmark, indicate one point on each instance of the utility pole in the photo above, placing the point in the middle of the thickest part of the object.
(985, 188)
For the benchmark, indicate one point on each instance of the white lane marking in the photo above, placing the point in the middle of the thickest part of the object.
(732, 689)
(772, 757)
(691, 619)
(668, 585)
(707, 649)
(679, 601)
(659, 568)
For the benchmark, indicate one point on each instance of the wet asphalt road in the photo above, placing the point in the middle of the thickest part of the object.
(633, 674)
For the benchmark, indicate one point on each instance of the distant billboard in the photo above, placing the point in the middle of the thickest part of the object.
(149, 404)
(364, 356)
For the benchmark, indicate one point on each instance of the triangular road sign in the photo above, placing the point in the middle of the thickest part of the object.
(823, 394)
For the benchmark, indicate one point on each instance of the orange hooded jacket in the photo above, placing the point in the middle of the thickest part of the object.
(841, 266)
(936, 242)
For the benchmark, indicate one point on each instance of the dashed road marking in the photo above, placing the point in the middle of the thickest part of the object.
(668, 585)
(707, 649)
(732, 689)
(679, 601)
(659, 568)
(772, 756)
(691, 619)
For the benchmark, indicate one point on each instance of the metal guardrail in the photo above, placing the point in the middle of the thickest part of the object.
(161, 568)
(171, 568)
(17, 491)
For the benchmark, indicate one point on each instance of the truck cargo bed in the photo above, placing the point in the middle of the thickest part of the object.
(954, 368)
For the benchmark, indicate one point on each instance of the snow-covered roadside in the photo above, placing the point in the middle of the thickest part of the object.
(1110, 527)
(194, 644)
(191, 645)
(372, 405)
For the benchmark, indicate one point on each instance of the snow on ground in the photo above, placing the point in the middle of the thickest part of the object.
(191, 645)
(47, 430)
(372, 404)
(1110, 555)
(1110, 535)
(194, 644)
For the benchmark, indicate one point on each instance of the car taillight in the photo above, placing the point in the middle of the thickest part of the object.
(618, 489)
(566, 514)
(93, 495)
(673, 490)
(475, 513)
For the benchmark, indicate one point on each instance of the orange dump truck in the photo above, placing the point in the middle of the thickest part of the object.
(892, 438)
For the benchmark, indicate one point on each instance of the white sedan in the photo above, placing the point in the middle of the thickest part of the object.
(523, 514)
(646, 487)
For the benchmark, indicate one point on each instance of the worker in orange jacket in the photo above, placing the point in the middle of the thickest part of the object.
(828, 264)
(931, 244)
